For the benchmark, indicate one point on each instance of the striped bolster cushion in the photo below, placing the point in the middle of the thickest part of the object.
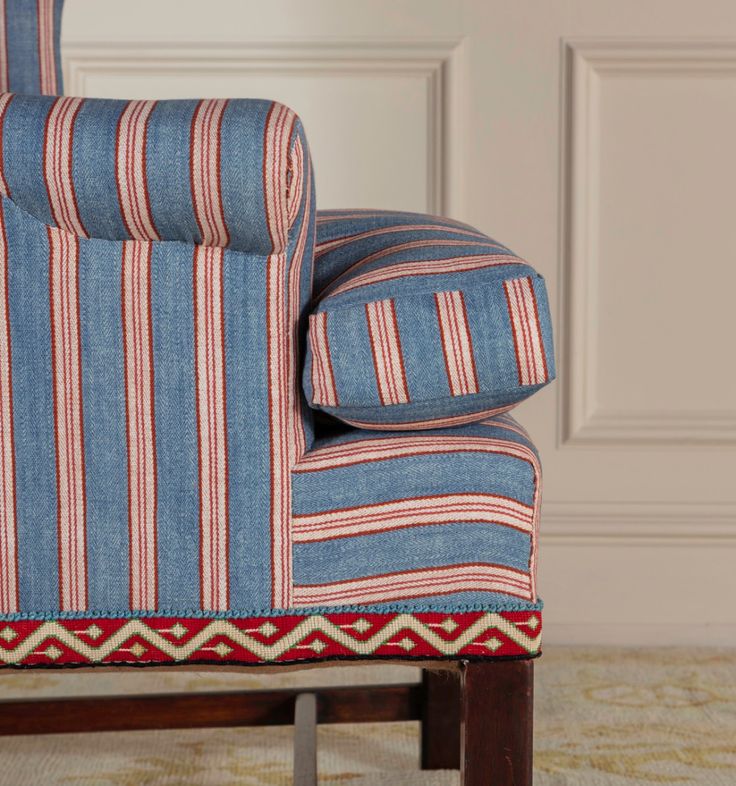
(421, 322)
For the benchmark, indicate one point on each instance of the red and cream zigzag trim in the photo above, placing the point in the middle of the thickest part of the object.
(274, 639)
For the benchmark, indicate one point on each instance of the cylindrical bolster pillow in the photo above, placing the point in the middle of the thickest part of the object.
(217, 172)
(422, 322)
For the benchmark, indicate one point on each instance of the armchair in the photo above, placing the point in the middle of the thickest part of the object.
(220, 448)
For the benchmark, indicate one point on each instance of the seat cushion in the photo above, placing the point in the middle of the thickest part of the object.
(445, 518)
(404, 546)
(421, 322)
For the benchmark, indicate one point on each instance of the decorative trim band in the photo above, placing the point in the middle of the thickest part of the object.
(270, 639)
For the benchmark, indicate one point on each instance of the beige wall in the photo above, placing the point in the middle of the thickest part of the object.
(596, 138)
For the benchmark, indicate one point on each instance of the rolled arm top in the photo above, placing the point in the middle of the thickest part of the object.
(213, 172)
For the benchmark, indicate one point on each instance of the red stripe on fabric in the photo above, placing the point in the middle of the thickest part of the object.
(68, 418)
(544, 376)
(323, 377)
(507, 285)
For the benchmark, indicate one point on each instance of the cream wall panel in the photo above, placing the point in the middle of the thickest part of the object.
(593, 137)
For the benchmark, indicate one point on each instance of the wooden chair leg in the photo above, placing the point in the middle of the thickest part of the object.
(497, 710)
(440, 720)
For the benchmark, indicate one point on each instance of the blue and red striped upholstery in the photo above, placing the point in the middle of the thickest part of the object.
(30, 60)
(166, 493)
(421, 322)
(444, 518)
(149, 389)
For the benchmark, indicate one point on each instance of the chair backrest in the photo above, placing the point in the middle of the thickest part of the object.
(155, 266)
(29, 46)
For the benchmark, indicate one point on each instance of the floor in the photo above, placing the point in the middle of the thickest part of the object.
(603, 718)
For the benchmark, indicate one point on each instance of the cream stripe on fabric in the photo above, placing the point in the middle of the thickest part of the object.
(418, 511)
(211, 427)
(130, 170)
(205, 172)
(457, 344)
(58, 164)
(425, 267)
(46, 48)
(68, 414)
(139, 393)
(388, 363)
(528, 344)
(9, 602)
(476, 577)
(323, 380)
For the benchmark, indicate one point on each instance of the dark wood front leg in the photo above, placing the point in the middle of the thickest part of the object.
(497, 714)
(440, 720)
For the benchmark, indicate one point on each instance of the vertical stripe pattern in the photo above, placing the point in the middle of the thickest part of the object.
(9, 601)
(57, 164)
(296, 181)
(211, 426)
(457, 343)
(531, 362)
(130, 170)
(277, 135)
(324, 391)
(383, 332)
(205, 172)
(68, 416)
(46, 48)
(139, 409)
(4, 103)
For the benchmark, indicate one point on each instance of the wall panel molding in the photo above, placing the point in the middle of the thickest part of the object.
(639, 523)
(583, 421)
(432, 60)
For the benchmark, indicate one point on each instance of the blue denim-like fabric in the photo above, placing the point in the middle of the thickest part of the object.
(372, 241)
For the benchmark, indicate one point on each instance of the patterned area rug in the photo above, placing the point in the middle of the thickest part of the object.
(604, 718)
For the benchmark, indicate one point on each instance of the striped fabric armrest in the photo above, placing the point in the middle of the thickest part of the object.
(421, 322)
